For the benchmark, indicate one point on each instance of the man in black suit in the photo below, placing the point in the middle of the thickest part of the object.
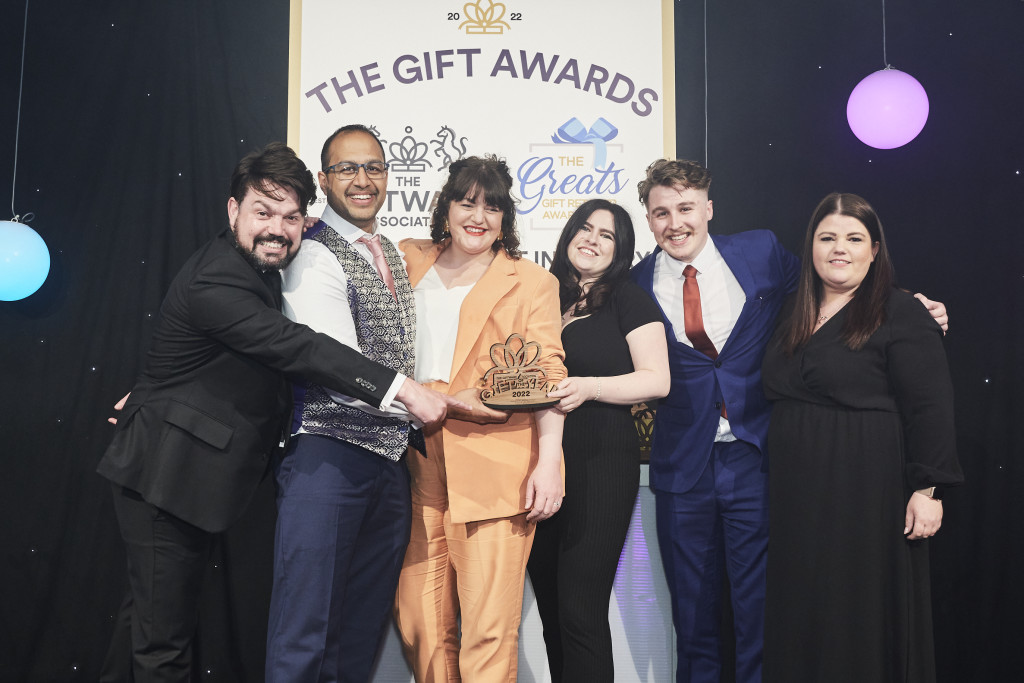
(196, 434)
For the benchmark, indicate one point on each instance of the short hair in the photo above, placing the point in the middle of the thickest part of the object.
(569, 290)
(672, 172)
(866, 311)
(276, 164)
(325, 151)
(467, 178)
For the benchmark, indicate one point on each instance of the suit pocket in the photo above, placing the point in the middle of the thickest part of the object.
(199, 424)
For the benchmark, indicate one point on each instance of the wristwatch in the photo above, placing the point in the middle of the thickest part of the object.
(933, 492)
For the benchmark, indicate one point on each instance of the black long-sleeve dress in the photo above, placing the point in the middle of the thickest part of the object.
(853, 434)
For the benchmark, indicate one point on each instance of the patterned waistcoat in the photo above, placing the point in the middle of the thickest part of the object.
(386, 331)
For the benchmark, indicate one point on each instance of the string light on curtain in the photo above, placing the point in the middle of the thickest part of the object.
(888, 108)
(24, 258)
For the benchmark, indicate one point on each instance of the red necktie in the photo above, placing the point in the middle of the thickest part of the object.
(693, 318)
(372, 242)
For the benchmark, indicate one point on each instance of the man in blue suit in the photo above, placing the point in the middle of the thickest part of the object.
(720, 297)
(707, 464)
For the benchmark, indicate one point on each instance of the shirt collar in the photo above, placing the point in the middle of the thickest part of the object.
(708, 258)
(341, 226)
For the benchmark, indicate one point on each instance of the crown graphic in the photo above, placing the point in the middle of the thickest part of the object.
(484, 21)
(516, 381)
(408, 155)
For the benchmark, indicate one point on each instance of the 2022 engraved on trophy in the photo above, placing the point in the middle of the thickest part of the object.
(516, 382)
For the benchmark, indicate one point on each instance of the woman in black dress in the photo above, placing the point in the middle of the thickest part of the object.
(860, 446)
(616, 355)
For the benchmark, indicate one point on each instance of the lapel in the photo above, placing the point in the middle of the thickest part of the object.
(646, 281)
(736, 258)
(497, 281)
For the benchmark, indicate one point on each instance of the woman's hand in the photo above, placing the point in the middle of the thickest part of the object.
(480, 414)
(544, 490)
(924, 517)
(573, 391)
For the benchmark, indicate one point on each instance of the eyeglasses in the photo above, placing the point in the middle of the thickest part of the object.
(346, 169)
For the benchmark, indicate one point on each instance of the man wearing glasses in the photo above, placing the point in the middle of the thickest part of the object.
(344, 507)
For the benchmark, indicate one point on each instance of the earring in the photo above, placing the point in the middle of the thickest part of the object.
(445, 234)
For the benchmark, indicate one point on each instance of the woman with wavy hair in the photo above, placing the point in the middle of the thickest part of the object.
(616, 356)
(486, 476)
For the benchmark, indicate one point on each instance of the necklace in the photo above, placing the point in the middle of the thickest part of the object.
(822, 317)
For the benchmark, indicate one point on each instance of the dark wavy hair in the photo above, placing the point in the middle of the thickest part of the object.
(866, 311)
(466, 179)
(275, 164)
(569, 290)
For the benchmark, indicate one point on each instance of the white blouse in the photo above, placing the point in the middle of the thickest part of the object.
(436, 331)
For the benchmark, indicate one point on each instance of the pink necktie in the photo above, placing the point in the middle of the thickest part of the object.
(373, 244)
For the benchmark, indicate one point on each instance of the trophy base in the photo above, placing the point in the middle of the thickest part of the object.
(524, 404)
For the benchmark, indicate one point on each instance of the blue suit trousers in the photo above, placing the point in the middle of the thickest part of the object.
(344, 516)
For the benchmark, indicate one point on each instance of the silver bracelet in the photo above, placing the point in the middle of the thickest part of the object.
(598, 389)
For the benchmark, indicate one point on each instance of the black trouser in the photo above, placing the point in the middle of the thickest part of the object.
(167, 560)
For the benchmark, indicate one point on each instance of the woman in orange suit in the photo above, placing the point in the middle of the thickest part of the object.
(487, 475)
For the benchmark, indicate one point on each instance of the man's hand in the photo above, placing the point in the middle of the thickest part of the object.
(118, 407)
(478, 412)
(308, 222)
(937, 309)
(426, 405)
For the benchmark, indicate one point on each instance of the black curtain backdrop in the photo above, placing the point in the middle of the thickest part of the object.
(134, 115)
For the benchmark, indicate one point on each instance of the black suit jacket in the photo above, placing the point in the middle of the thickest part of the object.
(197, 432)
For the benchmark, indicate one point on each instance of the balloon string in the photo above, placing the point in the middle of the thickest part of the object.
(17, 129)
(885, 56)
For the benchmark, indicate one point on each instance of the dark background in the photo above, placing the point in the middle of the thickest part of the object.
(134, 114)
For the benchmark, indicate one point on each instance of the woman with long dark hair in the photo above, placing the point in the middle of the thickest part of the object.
(616, 356)
(861, 445)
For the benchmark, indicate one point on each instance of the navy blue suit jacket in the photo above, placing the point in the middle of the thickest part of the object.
(687, 419)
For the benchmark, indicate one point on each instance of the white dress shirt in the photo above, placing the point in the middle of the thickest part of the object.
(721, 301)
(435, 343)
(315, 290)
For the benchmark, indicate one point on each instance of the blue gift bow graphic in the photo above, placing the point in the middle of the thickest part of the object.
(573, 131)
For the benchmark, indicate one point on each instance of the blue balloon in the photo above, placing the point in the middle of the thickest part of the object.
(24, 261)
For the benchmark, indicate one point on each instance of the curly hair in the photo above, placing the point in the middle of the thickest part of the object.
(467, 178)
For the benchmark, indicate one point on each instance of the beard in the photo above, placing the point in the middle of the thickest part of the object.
(259, 263)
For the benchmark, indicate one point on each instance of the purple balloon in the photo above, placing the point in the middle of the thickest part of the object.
(887, 109)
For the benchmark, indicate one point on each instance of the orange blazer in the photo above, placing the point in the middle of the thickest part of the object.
(488, 465)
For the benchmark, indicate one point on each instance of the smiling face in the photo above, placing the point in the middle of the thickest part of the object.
(678, 217)
(356, 199)
(474, 224)
(592, 248)
(267, 229)
(842, 252)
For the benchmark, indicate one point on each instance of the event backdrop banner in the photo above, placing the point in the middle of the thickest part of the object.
(577, 97)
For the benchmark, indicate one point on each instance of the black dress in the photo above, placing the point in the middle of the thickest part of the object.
(853, 434)
(576, 552)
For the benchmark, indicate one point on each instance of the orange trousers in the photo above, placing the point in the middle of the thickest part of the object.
(474, 571)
